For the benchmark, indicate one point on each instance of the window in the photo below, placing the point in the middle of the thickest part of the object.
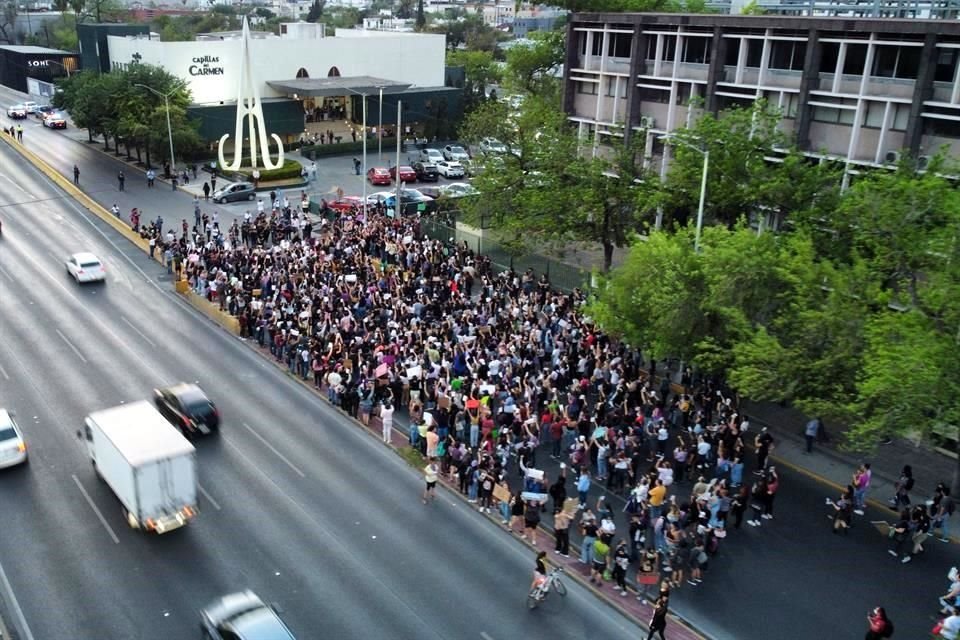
(588, 88)
(826, 114)
(683, 94)
(946, 65)
(669, 48)
(900, 117)
(651, 47)
(597, 48)
(733, 52)
(754, 53)
(885, 61)
(896, 62)
(728, 102)
(302, 73)
(829, 53)
(847, 116)
(787, 55)
(613, 87)
(873, 117)
(696, 50)
(654, 95)
(333, 73)
(619, 45)
(790, 103)
(938, 127)
(855, 59)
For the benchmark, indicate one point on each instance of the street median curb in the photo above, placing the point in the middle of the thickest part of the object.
(208, 308)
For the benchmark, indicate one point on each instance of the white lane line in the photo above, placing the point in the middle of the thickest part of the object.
(209, 498)
(279, 455)
(3, 372)
(70, 344)
(17, 611)
(142, 335)
(485, 635)
(6, 275)
(14, 183)
(103, 520)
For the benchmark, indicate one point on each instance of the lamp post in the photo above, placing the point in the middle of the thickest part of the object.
(166, 104)
(380, 128)
(668, 139)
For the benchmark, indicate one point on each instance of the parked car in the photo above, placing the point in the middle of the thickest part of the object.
(492, 145)
(378, 175)
(346, 204)
(243, 616)
(407, 174)
(55, 121)
(17, 112)
(455, 152)
(86, 267)
(187, 408)
(450, 169)
(430, 155)
(459, 189)
(412, 201)
(31, 107)
(13, 448)
(426, 171)
(234, 191)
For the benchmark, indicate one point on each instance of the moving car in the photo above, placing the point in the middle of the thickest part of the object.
(243, 616)
(407, 174)
(450, 169)
(13, 448)
(426, 171)
(17, 112)
(430, 155)
(55, 121)
(86, 267)
(234, 191)
(379, 175)
(492, 145)
(188, 408)
(455, 152)
(43, 110)
(31, 107)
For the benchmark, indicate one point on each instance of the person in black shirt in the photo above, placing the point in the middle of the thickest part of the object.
(658, 621)
(540, 571)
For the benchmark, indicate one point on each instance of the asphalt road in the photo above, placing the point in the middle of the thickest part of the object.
(297, 503)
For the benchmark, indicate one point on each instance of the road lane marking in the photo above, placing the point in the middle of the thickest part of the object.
(70, 344)
(142, 335)
(6, 275)
(279, 455)
(3, 372)
(17, 611)
(103, 520)
(485, 635)
(14, 183)
(208, 497)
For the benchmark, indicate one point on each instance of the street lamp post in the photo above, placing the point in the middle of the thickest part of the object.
(380, 129)
(364, 204)
(668, 139)
(166, 104)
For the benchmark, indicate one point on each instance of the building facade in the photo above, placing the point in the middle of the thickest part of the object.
(21, 64)
(860, 90)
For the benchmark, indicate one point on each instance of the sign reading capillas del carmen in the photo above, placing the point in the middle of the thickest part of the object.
(205, 66)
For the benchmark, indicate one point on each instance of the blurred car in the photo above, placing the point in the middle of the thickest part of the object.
(426, 171)
(86, 267)
(13, 448)
(31, 107)
(430, 155)
(17, 112)
(412, 201)
(459, 189)
(450, 169)
(243, 616)
(346, 204)
(379, 196)
(43, 110)
(378, 175)
(54, 121)
(434, 191)
(188, 408)
(455, 152)
(407, 174)
(234, 191)
(492, 145)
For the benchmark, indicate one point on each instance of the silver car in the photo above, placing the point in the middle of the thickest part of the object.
(234, 191)
(243, 616)
(13, 448)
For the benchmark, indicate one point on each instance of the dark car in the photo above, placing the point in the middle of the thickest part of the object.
(43, 110)
(188, 408)
(243, 616)
(426, 171)
(235, 191)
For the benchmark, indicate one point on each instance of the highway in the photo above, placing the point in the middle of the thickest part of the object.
(297, 504)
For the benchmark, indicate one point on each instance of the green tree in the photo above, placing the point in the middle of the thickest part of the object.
(316, 10)
(421, 17)
(533, 69)
(8, 20)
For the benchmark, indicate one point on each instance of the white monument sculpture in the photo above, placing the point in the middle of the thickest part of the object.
(248, 104)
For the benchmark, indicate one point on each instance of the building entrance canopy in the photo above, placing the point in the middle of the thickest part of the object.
(337, 86)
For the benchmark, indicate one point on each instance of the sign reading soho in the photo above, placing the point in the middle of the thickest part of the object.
(205, 66)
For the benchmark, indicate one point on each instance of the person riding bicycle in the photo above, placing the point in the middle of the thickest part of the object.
(540, 571)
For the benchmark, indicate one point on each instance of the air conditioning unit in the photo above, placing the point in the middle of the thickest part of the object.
(647, 122)
(891, 157)
(922, 162)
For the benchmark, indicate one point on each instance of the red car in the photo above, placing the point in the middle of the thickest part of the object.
(407, 174)
(346, 204)
(379, 175)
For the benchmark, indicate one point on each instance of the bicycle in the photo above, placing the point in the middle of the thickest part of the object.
(540, 592)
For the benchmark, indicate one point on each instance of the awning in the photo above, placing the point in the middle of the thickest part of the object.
(338, 86)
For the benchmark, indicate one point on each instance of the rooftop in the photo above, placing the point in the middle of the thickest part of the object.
(29, 48)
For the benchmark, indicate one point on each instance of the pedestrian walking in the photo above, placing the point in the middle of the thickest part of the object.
(942, 509)
(561, 532)
(842, 511)
(902, 488)
(76, 175)
(810, 433)
(120, 180)
(773, 484)
(919, 532)
(256, 178)
(763, 444)
(658, 621)
(19, 133)
(899, 533)
(531, 521)
(621, 562)
(356, 165)
(880, 625)
(386, 421)
(431, 474)
(151, 177)
(115, 210)
(206, 191)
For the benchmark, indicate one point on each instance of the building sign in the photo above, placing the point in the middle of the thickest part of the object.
(38, 63)
(205, 66)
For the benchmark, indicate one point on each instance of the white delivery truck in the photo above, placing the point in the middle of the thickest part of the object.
(147, 462)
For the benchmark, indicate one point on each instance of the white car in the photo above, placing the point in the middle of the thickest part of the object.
(31, 107)
(459, 189)
(16, 111)
(430, 155)
(450, 169)
(455, 152)
(492, 145)
(379, 196)
(55, 120)
(86, 267)
(13, 448)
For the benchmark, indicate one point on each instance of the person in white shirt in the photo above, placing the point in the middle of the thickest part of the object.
(386, 419)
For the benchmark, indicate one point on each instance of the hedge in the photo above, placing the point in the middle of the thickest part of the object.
(290, 169)
(314, 151)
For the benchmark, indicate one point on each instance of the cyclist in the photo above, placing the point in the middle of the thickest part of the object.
(540, 571)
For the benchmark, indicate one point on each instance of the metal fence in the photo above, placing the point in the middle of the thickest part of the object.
(562, 276)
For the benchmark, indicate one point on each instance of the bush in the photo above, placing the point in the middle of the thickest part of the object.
(290, 169)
